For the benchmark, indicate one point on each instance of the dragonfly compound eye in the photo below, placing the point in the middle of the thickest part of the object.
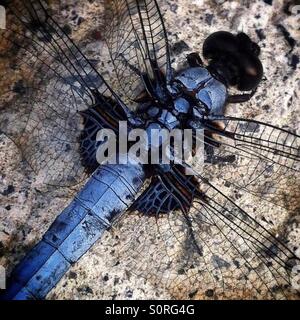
(234, 59)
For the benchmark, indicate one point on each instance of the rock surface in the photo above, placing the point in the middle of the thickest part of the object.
(27, 208)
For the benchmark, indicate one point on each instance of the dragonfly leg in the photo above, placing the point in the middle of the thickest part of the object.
(194, 60)
(240, 98)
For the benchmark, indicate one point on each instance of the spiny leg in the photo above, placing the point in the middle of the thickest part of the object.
(194, 60)
(240, 98)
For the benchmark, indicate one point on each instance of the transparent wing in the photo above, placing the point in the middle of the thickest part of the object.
(215, 251)
(225, 245)
(254, 157)
(48, 80)
(138, 46)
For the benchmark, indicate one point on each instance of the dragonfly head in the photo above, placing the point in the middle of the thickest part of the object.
(234, 59)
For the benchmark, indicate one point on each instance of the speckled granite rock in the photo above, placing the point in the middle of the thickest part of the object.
(27, 208)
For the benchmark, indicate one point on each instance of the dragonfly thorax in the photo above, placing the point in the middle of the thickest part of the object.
(195, 93)
(205, 93)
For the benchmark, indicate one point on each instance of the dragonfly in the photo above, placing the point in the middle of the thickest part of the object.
(191, 232)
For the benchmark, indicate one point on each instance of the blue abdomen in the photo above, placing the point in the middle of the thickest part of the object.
(108, 194)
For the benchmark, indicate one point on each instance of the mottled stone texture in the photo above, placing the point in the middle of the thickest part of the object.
(27, 208)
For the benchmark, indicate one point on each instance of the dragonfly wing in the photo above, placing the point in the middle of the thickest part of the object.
(138, 45)
(253, 157)
(215, 251)
(53, 81)
(224, 246)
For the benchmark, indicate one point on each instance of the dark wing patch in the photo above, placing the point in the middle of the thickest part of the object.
(158, 198)
(167, 192)
(95, 119)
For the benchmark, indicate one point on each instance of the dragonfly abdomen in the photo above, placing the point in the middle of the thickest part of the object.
(108, 193)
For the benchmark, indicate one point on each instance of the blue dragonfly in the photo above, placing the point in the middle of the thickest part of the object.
(61, 102)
